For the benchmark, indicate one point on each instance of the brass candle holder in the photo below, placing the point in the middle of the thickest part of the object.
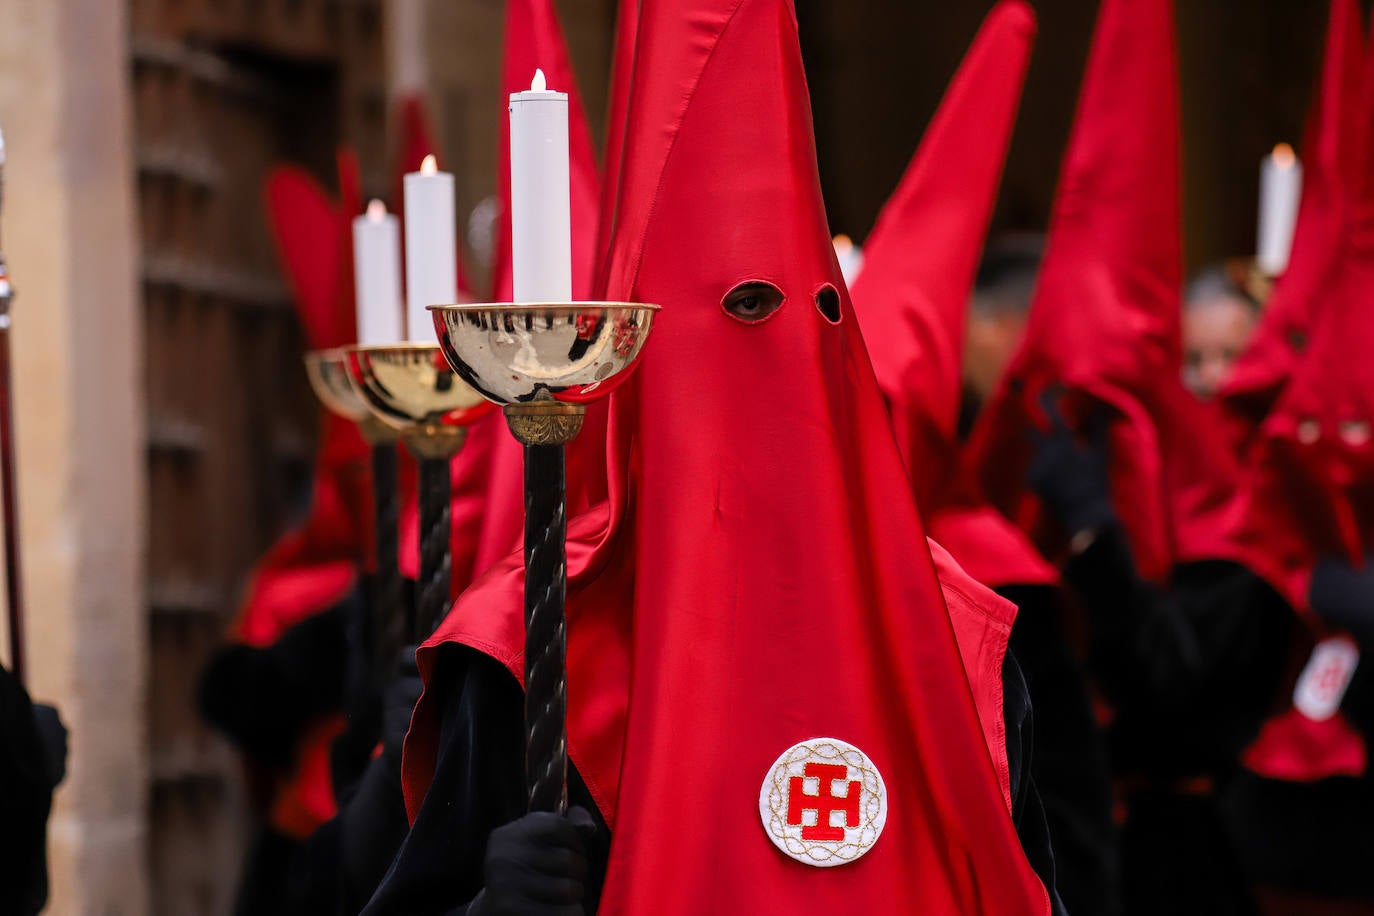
(544, 362)
(411, 389)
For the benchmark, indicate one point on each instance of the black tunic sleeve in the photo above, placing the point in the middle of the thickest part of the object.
(1192, 669)
(478, 786)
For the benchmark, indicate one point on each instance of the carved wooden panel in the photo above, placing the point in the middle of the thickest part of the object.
(223, 89)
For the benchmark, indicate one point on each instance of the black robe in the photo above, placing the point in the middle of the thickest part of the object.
(1312, 839)
(1070, 765)
(1192, 671)
(479, 785)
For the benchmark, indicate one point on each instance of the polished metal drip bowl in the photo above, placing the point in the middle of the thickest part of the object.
(569, 352)
(328, 374)
(411, 385)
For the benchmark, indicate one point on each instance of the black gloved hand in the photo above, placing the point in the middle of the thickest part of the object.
(1069, 472)
(537, 865)
(398, 703)
(1343, 596)
(53, 736)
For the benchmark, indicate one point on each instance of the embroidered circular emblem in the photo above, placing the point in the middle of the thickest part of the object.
(823, 803)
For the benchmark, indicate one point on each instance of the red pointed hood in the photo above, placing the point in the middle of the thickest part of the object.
(1331, 173)
(753, 584)
(1321, 426)
(1105, 318)
(921, 258)
(312, 566)
(487, 511)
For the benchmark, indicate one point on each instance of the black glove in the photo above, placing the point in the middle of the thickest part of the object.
(1069, 473)
(1343, 596)
(536, 866)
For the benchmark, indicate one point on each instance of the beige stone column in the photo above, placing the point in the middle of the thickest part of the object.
(69, 234)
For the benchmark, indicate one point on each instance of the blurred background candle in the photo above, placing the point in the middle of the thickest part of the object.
(377, 269)
(541, 243)
(1280, 192)
(431, 248)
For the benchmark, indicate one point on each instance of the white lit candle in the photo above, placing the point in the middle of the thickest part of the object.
(540, 193)
(1280, 192)
(431, 248)
(377, 276)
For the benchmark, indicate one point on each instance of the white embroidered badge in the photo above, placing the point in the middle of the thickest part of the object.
(823, 803)
(1321, 686)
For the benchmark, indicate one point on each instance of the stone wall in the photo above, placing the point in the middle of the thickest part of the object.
(69, 235)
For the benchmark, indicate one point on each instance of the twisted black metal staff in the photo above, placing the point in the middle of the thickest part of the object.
(546, 628)
(545, 427)
(436, 561)
(390, 620)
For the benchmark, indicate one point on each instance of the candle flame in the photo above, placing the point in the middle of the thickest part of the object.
(539, 84)
(1284, 157)
(429, 166)
(843, 244)
(376, 210)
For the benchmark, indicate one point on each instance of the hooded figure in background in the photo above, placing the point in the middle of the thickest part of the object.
(752, 601)
(1093, 445)
(912, 299)
(1303, 810)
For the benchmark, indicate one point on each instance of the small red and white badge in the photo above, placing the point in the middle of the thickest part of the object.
(823, 803)
(1324, 680)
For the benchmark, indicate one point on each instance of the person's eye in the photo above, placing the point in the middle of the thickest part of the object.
(752, 302)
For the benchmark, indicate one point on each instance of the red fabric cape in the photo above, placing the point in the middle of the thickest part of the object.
(752, 582)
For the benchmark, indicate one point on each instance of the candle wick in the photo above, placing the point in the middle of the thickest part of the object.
(539, 84)
(376, 211)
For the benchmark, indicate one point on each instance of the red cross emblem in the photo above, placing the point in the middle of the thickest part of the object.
(824, 802)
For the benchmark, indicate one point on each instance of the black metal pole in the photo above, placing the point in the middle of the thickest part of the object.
(436, 561)
(546, 579)
(390, 622)
(14, 594)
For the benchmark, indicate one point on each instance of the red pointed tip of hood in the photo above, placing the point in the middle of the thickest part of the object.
(1113, 267)
(921, 258)
(1107, 305)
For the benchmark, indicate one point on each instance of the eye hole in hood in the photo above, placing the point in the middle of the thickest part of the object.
(753, 302)
(828, 303)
